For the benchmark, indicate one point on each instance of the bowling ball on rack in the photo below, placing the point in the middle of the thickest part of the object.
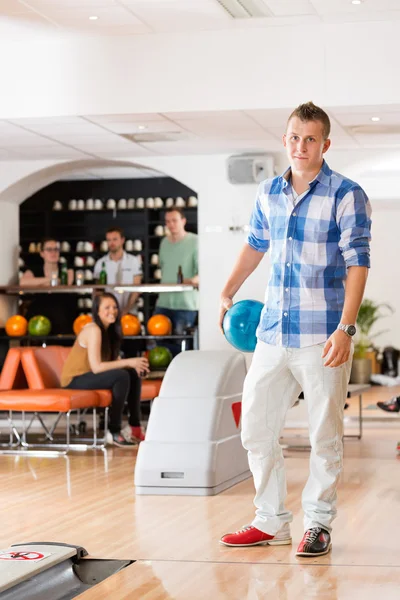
(159, 325)
(159, 358)
(80, 323)
(39, 326)
(16, 326)
(130, 325)
(240, 324)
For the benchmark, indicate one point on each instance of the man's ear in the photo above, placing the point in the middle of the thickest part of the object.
(327, 145)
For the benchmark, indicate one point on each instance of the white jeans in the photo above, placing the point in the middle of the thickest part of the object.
(273, 383)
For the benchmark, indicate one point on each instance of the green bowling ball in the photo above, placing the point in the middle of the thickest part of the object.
(39, 326)
(159, 358)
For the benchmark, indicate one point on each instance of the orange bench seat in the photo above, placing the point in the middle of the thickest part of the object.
(150, 388)
(51, 400)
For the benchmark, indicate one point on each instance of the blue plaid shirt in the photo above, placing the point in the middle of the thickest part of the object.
(313, 242)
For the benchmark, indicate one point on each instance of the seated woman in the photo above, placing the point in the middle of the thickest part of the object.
(93, 364)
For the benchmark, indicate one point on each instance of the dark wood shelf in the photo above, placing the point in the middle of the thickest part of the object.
(91, 224)
(70, 211)
(75, 253)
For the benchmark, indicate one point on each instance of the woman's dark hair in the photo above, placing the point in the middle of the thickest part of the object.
(110, 337)
(44, 241)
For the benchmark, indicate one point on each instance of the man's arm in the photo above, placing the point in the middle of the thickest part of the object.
(354, 222)
(354, 292)
(29, 280)
(97, 269)
(137, 280)
(192, 281)
(251, 255)
(339, 342)
(195, 279)
(248, 261)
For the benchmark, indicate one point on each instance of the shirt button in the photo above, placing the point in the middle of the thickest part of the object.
(288, 264)
(290, 238)
(285, 314)
(294, 214)
(287, 289)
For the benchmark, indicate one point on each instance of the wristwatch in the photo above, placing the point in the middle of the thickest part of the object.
(349, 329)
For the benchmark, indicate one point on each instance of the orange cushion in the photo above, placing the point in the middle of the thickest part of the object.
(150, 388)
(12, 374)
(43, 367)
(105, 397)
(52, 400)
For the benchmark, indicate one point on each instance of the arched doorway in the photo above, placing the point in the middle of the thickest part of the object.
(37, 192)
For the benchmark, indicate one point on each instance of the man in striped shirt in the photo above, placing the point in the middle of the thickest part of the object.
(316, 224)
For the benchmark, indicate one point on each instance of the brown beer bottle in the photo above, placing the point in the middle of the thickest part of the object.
(180, 275)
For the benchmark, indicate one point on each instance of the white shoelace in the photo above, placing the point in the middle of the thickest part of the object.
(244, 528)
(312, 535)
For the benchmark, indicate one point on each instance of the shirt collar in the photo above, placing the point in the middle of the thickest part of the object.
(108, 257)
(323, 176)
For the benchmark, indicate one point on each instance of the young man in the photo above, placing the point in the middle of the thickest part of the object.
(178, 249)
(317, 223)
(121, 267)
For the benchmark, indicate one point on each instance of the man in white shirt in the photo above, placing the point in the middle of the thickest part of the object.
(122, 268)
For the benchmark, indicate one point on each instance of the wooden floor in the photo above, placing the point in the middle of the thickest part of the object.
(90, 500)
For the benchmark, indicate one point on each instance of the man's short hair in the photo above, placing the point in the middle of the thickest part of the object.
(117, 230)
(310, 112)
(176, 209)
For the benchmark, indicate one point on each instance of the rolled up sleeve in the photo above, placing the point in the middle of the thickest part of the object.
(354, 222)
(259, 235)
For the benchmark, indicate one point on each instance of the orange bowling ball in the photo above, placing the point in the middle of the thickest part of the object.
(159, 325)
(16, 326)
(130, 325)
(80, 323)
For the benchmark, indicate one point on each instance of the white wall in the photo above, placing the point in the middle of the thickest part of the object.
(9, 241)
(383, 281)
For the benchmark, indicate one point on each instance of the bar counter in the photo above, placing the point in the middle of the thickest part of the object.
(144, 288)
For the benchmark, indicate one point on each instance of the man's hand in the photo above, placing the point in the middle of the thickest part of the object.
(225, 305)
(194, 281)
(338, 347)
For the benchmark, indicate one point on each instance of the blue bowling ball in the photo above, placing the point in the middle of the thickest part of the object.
(240, 324)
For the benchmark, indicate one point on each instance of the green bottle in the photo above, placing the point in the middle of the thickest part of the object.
(64, 274)
(103, 274)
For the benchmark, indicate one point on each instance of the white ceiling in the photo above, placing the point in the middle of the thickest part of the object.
(103, 136)
(133, 17)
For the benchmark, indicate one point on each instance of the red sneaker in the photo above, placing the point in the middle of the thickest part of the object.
(137, 434)
(250, 536)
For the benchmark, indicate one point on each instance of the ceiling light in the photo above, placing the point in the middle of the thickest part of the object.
(93, 18)
(142, 127)
(375, 119)
(245, 9)
(356, 1)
